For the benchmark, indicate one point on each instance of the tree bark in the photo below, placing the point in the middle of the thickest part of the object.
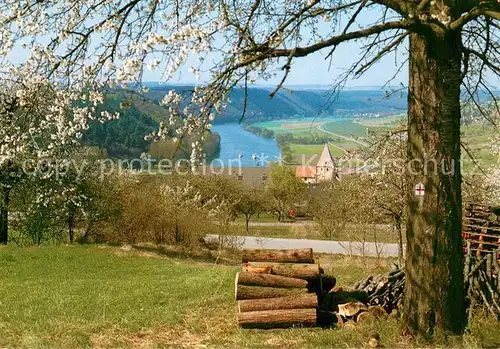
(399, 228)
(4, 216)
(256, 292)
(289, 302)
(299, 270)
(283, 256)
(71, 223)
(268, 280)
(434, 294)
(247, 219)
(278, 318)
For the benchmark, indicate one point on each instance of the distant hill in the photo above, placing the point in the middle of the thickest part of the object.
(297, 103)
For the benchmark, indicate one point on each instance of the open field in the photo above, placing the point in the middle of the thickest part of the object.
(348, 128)
(299, 125)
(109, 297)
(386, 121)
(313, 149)
(477, 138)
(343, 134)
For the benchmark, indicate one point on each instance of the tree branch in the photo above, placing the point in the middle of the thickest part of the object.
(381, 53)
(402, 7)
(264, 52)
(483, 58)
(490, 9)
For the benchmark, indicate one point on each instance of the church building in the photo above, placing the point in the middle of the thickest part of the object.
(324, 171)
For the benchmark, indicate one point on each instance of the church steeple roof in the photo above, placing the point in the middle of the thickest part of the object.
(326, 158)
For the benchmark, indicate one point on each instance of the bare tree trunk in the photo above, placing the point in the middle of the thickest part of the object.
(434, 293)
(71, 223)
(399, 227)
(4, 215)
(247, 219)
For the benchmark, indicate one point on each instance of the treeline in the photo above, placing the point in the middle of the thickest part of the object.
(260, 131)
(126, 207)
(286, 138)
(123, 137)
(314, 138)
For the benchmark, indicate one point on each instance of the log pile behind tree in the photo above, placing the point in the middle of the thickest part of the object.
(481, 276)
(279, 288)
(385, 290)
(481, 228)
(482, 284)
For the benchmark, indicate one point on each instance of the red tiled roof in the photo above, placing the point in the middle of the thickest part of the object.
(305, 171)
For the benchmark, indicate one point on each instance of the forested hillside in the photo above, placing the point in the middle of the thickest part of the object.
(139, 116)
(123, 137)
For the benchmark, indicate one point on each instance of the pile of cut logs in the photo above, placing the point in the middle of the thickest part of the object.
(286, 288)
(385, 290)
(482, 281)
(481, 229)
(279, 288)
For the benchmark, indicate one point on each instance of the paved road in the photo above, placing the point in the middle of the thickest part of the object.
(278, 224)
(321, 246)
(294, 224)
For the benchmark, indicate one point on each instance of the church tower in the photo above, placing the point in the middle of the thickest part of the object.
(325, 169)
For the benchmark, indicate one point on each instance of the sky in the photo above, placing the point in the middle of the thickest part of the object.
(315, 70)
(310, 70)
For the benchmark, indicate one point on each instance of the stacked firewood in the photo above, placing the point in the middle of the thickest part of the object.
(481, 276)
(481, 228)
(385, 290)
(279, 288)
(346, 307)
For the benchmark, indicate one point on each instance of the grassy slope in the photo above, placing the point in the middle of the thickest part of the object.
(103, 297)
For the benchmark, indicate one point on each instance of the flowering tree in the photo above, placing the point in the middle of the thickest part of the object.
(493, 179)
(450, 42)
(38, 123)
(388, 178)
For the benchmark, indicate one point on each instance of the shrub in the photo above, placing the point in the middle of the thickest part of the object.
(163, 211)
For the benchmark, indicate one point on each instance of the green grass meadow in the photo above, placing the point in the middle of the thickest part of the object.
(111, 297)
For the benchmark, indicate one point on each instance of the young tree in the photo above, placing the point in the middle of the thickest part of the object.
(388, 180)
(450, 42)
(284, 189)
(250, 203)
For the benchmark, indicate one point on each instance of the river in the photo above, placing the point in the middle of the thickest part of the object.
(236, 142)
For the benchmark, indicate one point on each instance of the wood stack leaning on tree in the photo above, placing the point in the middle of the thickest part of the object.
(279, 288)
